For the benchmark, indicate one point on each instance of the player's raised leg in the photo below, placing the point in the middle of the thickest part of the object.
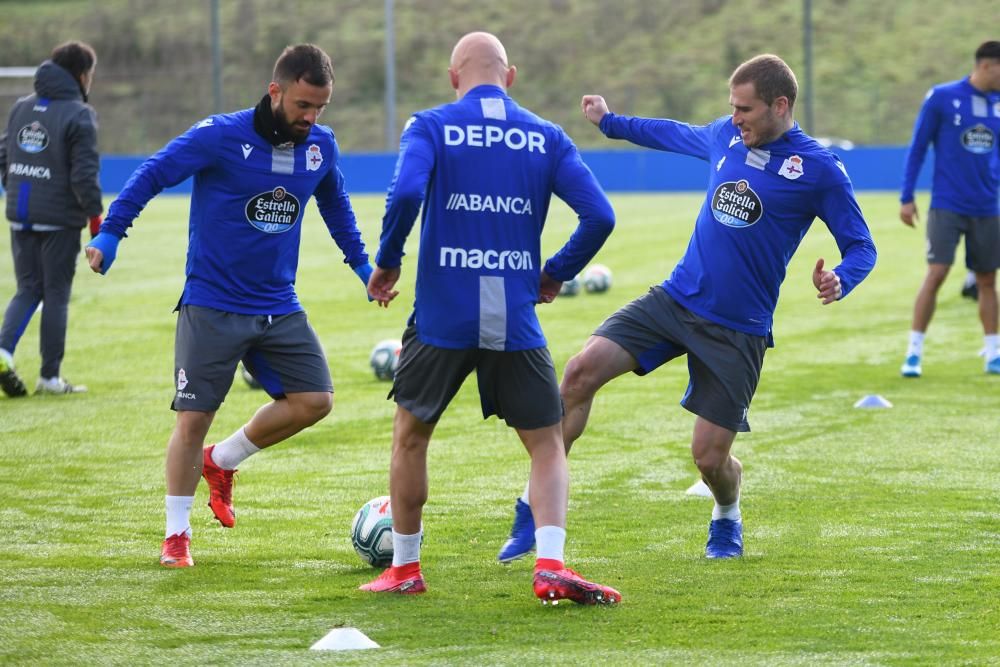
(273, 423)
(722, 472)
(408, 493)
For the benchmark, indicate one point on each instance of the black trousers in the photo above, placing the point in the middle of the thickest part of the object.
(44, 266)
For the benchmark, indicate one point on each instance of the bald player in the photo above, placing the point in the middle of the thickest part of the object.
(484, 170)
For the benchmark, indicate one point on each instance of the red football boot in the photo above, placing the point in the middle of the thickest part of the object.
(552, 585)
(405, 580)
(220, 486)
(176, 551)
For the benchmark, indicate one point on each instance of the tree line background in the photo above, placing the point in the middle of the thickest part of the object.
(872, 64)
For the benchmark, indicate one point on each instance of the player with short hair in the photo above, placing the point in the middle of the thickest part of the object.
(49, 166)
(962, 120)
(254, 170)
(768, 182)
(487, 168)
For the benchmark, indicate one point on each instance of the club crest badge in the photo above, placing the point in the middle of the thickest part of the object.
(791, 168)
(182, 380)
(314, 158)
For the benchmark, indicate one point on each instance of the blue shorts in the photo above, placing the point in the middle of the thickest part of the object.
(282, 352)
(723, 364)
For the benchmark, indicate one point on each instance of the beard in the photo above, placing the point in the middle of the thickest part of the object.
(297, 133)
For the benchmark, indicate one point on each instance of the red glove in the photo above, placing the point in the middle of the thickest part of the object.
(95, 225)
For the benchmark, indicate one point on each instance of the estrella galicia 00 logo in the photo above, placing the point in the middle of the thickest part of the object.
(978, 139)
(735, 204)
(32, 138)
(274, 212)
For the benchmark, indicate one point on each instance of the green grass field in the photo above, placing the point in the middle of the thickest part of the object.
(873, 536)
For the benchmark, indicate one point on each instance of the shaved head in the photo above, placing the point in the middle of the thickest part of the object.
(477, 59)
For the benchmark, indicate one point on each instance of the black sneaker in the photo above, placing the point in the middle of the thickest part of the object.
(9, 381)
(971, 291)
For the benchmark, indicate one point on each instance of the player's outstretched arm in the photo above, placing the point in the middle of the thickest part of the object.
(381, 283)
(594, 108)
(827, 284)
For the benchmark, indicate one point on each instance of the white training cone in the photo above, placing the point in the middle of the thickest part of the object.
(343, 639)
(700, 489)
(873, 401)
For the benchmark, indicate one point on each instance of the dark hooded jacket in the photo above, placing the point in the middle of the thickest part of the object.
(48, 154)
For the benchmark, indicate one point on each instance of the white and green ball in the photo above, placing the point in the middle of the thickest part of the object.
(384, 359)
(597, 279)
(371, 532)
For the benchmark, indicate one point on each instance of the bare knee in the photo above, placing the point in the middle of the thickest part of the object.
(313, 406)
(579, 381)
(709, 462)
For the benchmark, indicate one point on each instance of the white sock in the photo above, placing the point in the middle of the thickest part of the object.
(232, 451)
(550, 542)
(992, 342)
(524, 496)
(731, 512)
(178, 514)
(7, 357)
(970, 279)
(406, 548)
(916, 346)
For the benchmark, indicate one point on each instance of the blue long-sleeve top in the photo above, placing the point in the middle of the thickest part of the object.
(963, 124)
(246, 208)
(760, 203)
(484, 170)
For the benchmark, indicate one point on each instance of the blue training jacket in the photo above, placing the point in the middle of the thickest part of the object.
(759, 205)
(485, 169)
(963, 123)
(246, 209)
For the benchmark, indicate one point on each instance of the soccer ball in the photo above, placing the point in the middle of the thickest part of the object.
(384, 359)
(371, 532)
(570, 287)
(597, 279)
(249, 379)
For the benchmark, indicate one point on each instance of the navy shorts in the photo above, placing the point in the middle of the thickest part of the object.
(519, 387)
(982, 239)
(282, 352)
(724, 364)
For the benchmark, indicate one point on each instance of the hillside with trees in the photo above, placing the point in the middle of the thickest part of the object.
(872, 61)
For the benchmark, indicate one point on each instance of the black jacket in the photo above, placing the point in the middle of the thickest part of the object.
(48, 154)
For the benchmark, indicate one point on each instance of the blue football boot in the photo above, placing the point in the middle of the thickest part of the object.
(993, 366)
(725, 539)
(522, 535)
(911, 367)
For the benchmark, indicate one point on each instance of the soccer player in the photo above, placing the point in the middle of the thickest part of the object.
(254, 170)
(962, 120)
(49, 166)
(768, 181)
(487, 168)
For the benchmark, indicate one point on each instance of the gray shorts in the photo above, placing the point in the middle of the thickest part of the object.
(282, 352)
(723, 364)
(982, 239)
(518, 387)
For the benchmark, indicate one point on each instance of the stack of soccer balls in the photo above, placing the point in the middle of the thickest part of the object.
(384, 359)
(371, 532)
